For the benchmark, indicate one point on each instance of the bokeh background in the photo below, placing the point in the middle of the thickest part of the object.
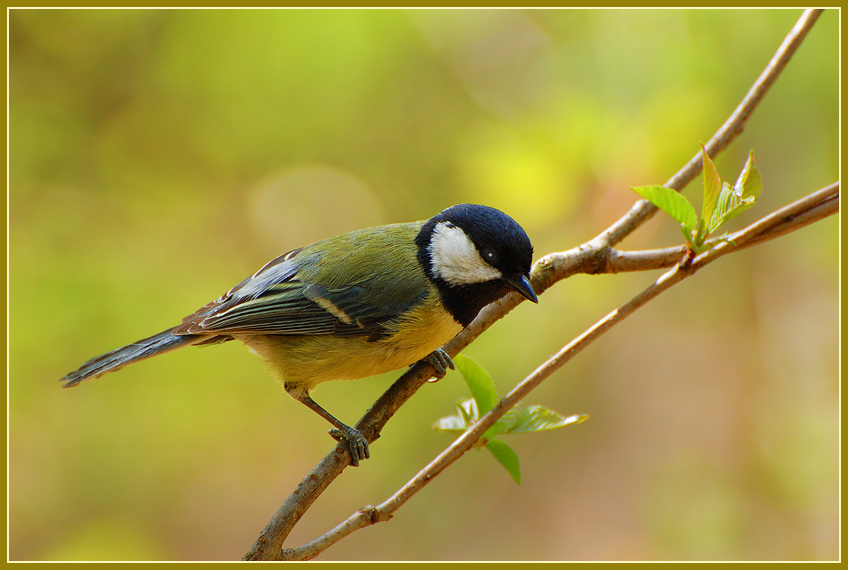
(157, 157)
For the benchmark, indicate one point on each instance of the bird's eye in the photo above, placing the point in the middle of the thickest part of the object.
(490, 255)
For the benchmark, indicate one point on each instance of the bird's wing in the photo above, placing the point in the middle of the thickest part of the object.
(282, 299)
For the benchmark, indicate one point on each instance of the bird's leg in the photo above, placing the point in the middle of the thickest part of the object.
(440, 361)
(356, 442)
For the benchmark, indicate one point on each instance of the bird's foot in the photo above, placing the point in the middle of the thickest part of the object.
(440, 361)
(356, 443)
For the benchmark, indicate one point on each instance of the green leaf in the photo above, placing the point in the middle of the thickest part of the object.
(506, 457)
(722, 207)
(479, 383)
(449, 423)
(539, 418)
(712, 194)
(743, 195)
(468, 410)
(671, 202)
(687, 235)
(750, 181)
(466, 414)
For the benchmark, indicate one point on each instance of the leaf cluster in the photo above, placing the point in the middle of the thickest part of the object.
(722, 202)
(484, 397)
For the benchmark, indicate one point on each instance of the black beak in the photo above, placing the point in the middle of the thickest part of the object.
(521, 283)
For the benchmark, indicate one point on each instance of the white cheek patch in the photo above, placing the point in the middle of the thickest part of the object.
(455, 259)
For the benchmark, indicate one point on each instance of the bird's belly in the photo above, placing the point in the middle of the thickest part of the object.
(302, 362)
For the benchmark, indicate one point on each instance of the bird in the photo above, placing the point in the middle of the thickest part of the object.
(358, 304)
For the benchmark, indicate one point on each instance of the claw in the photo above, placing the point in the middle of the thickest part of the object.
(440, 361)
(356, 443)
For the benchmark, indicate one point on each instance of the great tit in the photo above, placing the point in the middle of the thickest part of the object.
(355, 305)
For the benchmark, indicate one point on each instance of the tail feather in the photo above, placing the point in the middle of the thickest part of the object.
(120, 357)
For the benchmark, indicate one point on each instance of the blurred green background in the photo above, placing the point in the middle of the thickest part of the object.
(160, 156)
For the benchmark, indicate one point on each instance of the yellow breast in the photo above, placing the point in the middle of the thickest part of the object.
(302, 362)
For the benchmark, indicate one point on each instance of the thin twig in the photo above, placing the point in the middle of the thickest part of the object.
(596, 256)
(732, 128)
(824, 203)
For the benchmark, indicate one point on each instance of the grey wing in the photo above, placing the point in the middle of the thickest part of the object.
(275, 301)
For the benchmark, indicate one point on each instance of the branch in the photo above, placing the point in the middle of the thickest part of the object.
(732, 128)
(597, 256)
(793, 217)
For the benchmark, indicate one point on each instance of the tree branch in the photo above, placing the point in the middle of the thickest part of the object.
(793, 217)
(596, 256)
(732, 128)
